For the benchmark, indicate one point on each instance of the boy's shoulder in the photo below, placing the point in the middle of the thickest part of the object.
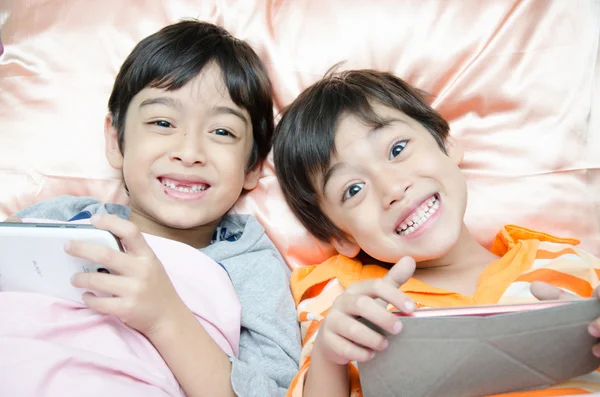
(240, 239)
(512, 236)
(70, 208)
(528, 256)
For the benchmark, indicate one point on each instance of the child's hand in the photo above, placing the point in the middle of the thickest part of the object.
(143, 296)
(548, 292)
(342, 338)
(544, 291)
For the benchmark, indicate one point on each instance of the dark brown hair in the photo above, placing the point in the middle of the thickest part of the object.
(174, 55)
(305, 136)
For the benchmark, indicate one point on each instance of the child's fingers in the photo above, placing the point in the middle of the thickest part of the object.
(359, 305)
(115, 261)
(383, 291)
(356, 332)
(594, 326)
(104, 305)
(401, 272)
(126, 231)
(398, 275)
(13, 219)
(594, 330)
(101, 282)
(596, 350)
(544, 291)
(346, 351)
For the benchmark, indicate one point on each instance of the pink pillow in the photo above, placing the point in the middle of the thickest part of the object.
(518, 81)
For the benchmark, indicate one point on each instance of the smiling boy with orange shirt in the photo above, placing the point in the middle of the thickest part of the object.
(366, 164)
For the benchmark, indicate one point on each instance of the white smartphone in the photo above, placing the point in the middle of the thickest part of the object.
(32, 257)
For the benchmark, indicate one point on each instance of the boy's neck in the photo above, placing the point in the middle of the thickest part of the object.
(467, 253)
(456, 271)
(460, 268)
(198, 237)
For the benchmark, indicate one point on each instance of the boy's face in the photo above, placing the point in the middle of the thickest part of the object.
(185, 152)
(392, 190)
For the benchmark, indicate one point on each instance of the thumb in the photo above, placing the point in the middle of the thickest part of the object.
(13, 219)
(398, 275)
(401, 271)
(545, 292)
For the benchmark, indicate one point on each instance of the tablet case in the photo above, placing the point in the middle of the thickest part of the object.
(466, 356)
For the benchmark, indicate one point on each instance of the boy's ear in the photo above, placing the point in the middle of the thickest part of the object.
(454, 150)
(252, 177)
(111, 141)
(345, 247)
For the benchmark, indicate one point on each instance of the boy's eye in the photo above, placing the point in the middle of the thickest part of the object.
(222, 132)
(397, 149)
(352, 191)
(162, 123)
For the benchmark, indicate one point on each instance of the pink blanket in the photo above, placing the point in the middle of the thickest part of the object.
(55, 347)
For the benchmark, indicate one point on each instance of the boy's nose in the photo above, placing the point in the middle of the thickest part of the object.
(189, 151)
(392, 189)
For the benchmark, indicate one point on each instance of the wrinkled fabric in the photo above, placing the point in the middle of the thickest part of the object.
(517, 80)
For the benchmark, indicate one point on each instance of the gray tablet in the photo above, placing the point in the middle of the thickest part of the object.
(469, 355)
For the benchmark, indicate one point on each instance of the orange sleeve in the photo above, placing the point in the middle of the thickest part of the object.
(567, 267)
(311, 313)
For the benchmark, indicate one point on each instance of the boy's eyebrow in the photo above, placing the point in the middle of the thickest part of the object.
(162, 100)
(232, 111)
(175, 103)
(330, 172)
(371, 133)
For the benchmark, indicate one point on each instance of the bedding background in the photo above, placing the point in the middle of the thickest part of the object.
(518, 81)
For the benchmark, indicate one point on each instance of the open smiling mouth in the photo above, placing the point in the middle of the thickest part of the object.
(184, 186)
(419, 216)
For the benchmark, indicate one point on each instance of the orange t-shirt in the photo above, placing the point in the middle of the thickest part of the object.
(525, 256)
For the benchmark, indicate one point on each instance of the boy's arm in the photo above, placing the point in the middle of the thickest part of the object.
(334, 336)
(198, 363)
(269, 341)
(324, 378)
(142, 296)
(320, 377)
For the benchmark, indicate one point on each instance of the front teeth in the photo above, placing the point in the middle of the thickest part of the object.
(419, 217)
(192, 189)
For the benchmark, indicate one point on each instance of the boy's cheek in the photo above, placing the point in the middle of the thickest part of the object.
(232, 162)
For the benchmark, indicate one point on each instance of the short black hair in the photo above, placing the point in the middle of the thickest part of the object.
(305, 136)
(177, 53)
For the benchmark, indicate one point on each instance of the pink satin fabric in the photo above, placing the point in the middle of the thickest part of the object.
(518, 81)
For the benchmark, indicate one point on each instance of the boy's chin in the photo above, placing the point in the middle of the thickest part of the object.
(183, 220)
(432, 253)
(429, 253)
(185, 223)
